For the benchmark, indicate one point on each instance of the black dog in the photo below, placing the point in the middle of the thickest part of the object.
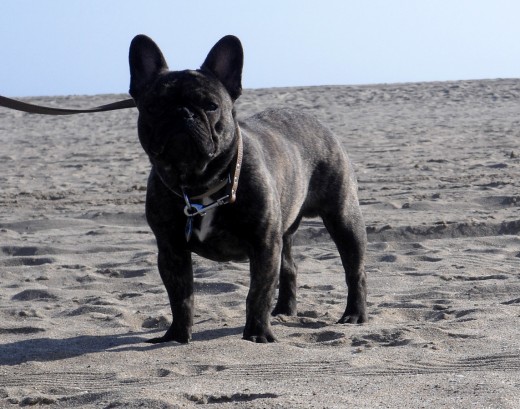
(230, 191)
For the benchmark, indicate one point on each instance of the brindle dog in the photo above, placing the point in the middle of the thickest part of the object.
(234, 191)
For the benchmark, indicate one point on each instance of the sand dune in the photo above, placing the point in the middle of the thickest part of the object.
(439, 175)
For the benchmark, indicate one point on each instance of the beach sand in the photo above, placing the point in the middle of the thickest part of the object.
(438, 166)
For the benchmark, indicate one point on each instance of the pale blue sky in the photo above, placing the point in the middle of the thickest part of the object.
(63, 47)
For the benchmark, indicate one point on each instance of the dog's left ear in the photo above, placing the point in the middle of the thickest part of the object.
(225, 61)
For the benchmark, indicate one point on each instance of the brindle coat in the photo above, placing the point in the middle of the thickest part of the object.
(293, 167)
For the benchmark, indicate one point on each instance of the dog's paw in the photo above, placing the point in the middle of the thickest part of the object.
(260, 336)
(284, 310)
(261, 339)
(170, 337)
(286, 305)
(353, 319)
(161, 340)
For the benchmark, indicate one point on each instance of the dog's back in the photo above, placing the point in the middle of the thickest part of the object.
(305, 159)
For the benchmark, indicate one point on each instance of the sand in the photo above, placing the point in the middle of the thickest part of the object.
(439, 176)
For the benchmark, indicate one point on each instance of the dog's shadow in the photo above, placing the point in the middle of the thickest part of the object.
(53, 349)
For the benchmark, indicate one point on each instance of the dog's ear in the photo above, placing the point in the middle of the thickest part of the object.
(225, 61)
(146, 62)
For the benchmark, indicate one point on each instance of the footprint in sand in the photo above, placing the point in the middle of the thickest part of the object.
(34, 295)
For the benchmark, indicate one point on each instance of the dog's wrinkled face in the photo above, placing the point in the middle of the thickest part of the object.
(186, 119)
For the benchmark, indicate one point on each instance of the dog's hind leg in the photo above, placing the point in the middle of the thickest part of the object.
(286, 304)
(347, 229)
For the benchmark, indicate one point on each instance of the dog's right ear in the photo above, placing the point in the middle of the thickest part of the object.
(146, 62)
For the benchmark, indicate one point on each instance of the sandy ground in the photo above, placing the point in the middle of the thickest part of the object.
(439, 174)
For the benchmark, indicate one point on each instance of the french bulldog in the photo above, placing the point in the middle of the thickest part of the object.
(238, 191)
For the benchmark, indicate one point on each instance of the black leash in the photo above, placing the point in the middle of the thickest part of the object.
(38, 109)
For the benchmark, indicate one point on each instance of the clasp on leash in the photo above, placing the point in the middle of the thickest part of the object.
(194, 209)
(190, 209)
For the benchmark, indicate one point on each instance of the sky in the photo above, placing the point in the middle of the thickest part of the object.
(80, 47)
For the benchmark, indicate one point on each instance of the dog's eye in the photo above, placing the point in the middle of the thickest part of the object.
(210, 106)
(155, 109)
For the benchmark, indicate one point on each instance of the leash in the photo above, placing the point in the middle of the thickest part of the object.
(43, 110)
(191, 209)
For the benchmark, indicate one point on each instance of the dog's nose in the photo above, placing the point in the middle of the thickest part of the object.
(185, 113)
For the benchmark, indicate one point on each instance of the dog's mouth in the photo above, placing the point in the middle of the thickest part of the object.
(182, 158)
(180, 147)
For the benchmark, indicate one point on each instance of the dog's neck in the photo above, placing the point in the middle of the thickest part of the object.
(228, 179)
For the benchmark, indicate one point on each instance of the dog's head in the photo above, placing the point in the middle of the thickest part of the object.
(186, 119)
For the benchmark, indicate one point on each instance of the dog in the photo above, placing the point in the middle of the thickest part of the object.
(238, 191)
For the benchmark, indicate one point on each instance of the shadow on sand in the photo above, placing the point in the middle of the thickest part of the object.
(52, 349)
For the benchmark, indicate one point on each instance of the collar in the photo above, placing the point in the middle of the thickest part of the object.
(231, 182)
(238, 167)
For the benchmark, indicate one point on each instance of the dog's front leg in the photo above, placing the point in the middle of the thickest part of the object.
(265, 265)
(177, 276)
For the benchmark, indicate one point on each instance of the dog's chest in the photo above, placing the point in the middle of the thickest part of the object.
(205, 228)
